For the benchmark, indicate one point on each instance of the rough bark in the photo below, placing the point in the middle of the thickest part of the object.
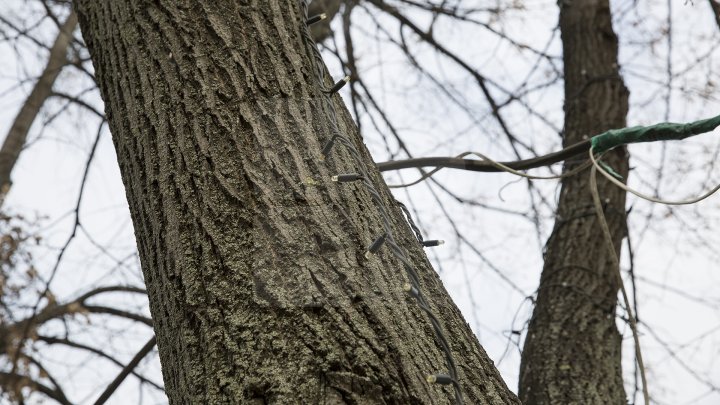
(572, 348)
(252, 257)
(17, 134)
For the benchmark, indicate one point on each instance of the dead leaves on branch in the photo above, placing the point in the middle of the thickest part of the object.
(22, 329)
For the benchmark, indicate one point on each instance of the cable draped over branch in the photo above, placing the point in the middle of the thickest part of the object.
(600, 143)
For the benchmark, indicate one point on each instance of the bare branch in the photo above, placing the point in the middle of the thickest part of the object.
(54, 340)
(125, 371)
(18, 382)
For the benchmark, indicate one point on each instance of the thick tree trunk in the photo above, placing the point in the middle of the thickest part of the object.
(253, 258)
(572, 348)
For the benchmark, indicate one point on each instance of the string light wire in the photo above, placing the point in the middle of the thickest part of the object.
(596, 162)
(389, 240)
(609, 176)
(501, 167)
(616, 263)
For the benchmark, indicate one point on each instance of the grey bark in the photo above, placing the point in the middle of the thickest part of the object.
(17, 134)
(253, 259)
(572, 348)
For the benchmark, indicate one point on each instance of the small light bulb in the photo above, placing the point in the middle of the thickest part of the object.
(328, 146)
(375, 246)
(442, 379)
(315, 19)
(339, 85)
(408, 288)
(345, 178)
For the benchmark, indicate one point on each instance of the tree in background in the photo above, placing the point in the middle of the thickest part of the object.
(572, 348)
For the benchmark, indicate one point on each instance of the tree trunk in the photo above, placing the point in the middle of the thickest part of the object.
(715, 6)
(253, 259)
(572, 348)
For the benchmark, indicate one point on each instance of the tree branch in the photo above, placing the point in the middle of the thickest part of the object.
(15, 382)
(125, 371)
(485, 166)
(54, 340)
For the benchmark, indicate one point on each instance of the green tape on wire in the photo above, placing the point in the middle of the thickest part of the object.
(665, 131)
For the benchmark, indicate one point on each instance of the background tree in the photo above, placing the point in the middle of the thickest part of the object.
(572, 350)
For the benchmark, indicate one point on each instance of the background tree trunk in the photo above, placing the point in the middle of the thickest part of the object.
(17, 134)
(572, 348)
(252, 257)
(715, 5)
